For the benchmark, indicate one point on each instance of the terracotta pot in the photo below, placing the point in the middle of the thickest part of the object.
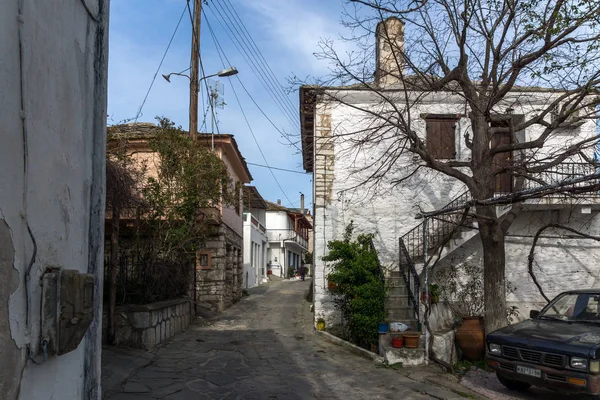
(470, 338)
(411, 339)
(397, 342)
(331, 285)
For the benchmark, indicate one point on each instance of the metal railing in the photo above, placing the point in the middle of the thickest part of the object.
(411, 277)
(278, 235)
(559, 173)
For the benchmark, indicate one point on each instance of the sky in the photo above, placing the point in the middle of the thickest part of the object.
(286, 32)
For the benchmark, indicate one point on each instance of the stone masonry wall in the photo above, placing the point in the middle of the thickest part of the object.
(220, 286)
(146, 326)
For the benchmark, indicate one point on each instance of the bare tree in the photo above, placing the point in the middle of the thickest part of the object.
(499, 57)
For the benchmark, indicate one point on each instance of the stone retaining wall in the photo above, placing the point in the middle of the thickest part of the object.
(146, 326)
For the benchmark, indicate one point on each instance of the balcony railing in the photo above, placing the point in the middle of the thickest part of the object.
(255, 222)
(277, 235)
(564, 172)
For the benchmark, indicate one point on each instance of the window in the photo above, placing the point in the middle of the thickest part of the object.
(203, 260)
(441, 135)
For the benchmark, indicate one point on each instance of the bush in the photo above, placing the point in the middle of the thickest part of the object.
(360, 290)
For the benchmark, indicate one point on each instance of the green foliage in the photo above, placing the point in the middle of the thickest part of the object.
(190, 182)
(360, 291)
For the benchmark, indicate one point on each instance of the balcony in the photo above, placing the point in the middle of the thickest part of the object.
(575, 193)
(255, 222)
(278, 235)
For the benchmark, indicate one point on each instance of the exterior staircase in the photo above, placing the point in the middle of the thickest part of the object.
(399, 304)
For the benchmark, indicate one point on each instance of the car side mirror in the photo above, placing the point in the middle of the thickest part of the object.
(533, 314)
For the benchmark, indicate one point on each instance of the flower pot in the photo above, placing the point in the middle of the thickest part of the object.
(331, 285)
(383, 327)
(397, 342)
(411, 339)
(320, 325)
(470, 338)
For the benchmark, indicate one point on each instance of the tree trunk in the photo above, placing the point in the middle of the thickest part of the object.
(494, 284)
(113, 267)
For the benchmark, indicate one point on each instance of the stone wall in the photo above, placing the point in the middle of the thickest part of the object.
(220, 286)
(146, 326)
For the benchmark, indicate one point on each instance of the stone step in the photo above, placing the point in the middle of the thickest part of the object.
(398, 300)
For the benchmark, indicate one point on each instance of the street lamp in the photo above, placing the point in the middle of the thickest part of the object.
(194, 98)
(223, 73)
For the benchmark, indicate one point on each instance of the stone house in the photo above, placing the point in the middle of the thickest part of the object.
(255, 238)
(288, 232)
(332, 119)
(219, 264)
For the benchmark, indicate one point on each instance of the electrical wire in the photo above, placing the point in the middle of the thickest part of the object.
(246, 40)
(227, 27)
(278, 169)
(261, 58)
(219, 48)
(139, 113)
(219, 51)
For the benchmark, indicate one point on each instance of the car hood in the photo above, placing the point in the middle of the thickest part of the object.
(574, 338)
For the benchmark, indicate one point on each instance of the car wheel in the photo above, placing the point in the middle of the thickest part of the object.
(512, 384)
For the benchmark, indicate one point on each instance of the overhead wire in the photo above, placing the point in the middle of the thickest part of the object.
(260, 54)
(276, 168)
(227, 27)
(219, 49)
(139, 113)
(246, 39)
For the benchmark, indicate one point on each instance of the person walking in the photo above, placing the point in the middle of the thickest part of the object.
(302, 272)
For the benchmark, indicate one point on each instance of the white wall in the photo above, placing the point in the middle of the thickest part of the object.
(52, 154)
(388, 209)
(254, 261)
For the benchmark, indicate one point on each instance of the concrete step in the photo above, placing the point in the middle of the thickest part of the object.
(397, 300)
(393, 315)
(413, 323)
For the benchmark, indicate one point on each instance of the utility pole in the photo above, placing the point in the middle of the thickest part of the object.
(194, 70)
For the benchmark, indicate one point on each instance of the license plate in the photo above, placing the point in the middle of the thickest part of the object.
(529, 371)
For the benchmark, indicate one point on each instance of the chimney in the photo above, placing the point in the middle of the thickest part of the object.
(302, 202)
(278, 202)
(389, 51)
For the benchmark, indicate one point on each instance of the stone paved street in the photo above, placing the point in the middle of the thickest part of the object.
(261, 348)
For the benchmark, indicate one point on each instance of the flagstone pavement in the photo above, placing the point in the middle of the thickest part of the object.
(263, 347)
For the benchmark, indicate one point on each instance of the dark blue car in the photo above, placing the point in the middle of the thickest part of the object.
(558, 348)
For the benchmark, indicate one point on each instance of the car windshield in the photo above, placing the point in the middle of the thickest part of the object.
(573, 307)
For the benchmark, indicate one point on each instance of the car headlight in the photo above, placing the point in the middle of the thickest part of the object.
(579, 363)
(495, 349)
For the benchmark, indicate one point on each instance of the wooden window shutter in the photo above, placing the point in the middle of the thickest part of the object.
(441, 138)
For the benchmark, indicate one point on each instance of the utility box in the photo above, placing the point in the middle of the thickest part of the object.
(67, 309)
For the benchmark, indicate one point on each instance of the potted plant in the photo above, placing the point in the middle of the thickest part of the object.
(465, 298)
(434, 293)
(320, 324)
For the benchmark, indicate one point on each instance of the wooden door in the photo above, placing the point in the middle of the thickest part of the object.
(504, 181)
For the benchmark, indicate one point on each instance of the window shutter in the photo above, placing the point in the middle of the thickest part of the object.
(441, 138)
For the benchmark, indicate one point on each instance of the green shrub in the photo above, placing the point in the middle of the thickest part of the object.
(359, 291)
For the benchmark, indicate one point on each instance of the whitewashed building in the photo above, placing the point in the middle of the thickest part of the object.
(53, 82)
(255, 238)
(288, 232)
(332, 119)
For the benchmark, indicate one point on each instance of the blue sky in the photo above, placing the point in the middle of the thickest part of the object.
(286, 31)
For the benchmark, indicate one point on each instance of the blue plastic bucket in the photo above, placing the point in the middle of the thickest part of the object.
(383, 327)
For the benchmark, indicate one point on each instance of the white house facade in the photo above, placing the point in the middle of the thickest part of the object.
(288, 232)
(255, 238)
(332, 120)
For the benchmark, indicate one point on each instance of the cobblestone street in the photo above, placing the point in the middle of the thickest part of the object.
(261, 348)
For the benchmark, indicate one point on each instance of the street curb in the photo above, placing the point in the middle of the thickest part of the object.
(350, 347)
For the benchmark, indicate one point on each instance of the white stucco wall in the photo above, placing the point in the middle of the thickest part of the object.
(52, 154)
(253, 269)
(388, 208)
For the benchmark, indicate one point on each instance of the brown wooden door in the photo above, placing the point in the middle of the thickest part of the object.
(504, 181)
